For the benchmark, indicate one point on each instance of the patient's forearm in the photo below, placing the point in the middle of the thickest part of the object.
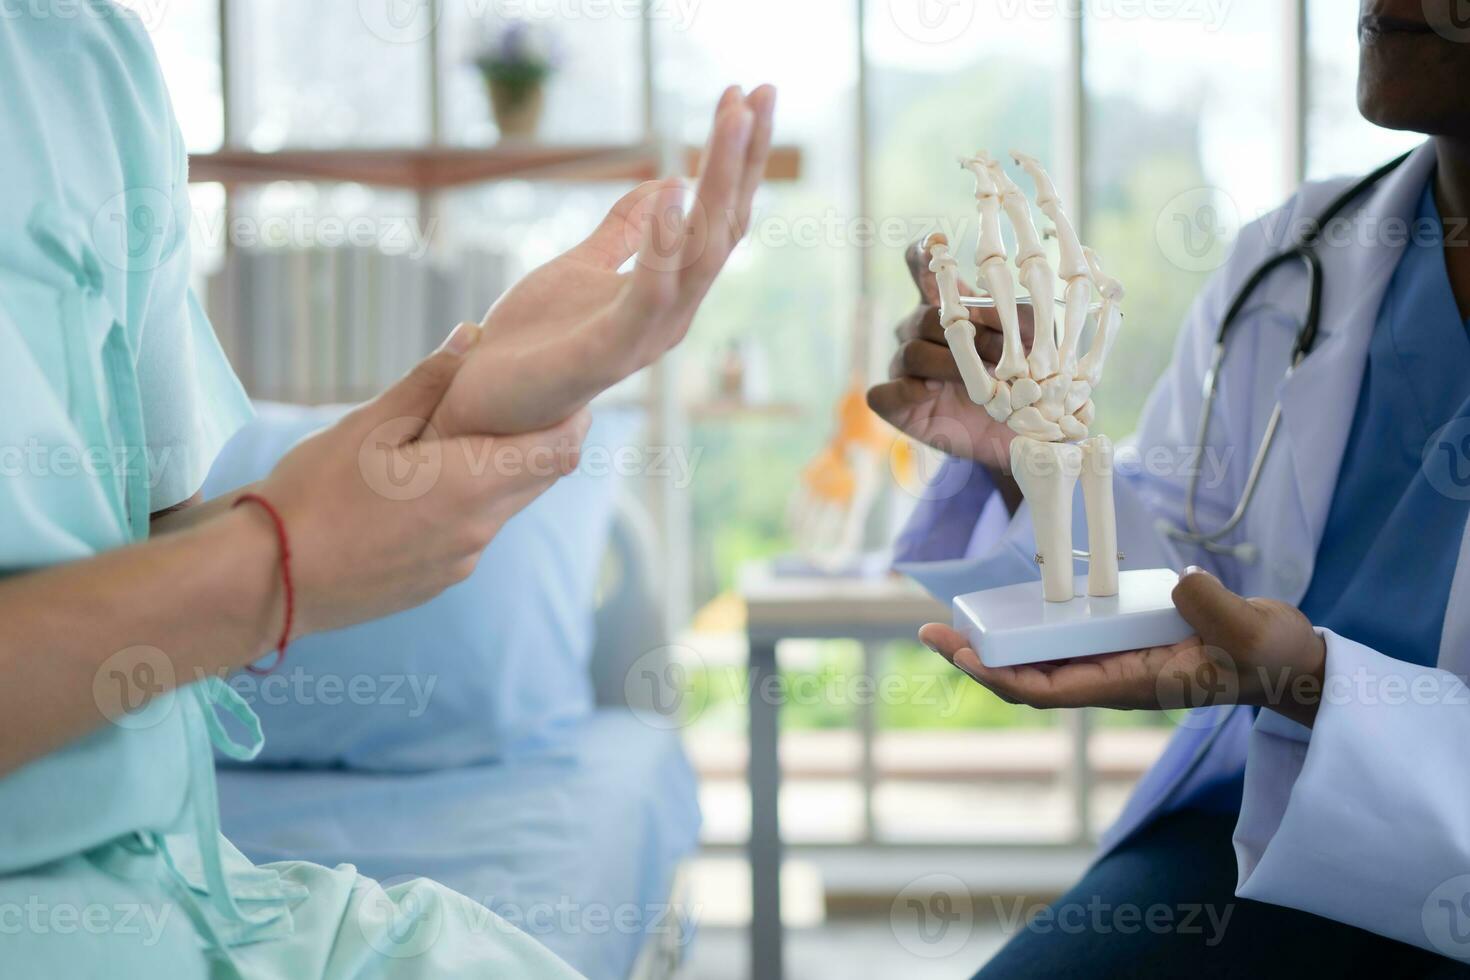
(207, 598)
(195, 511)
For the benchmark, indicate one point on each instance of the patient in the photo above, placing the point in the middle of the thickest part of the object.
(127, 601)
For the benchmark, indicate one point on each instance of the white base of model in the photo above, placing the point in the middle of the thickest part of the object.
(1013, 625)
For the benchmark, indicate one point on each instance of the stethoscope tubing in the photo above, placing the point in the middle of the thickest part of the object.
(1305, 251)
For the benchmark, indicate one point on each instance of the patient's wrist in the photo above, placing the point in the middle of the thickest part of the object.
(248, 581)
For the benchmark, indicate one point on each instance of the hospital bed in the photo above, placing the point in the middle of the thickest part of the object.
(580, 846)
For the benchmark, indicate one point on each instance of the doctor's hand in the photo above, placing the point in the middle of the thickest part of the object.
(576, 325)
(383, 514)
(1246, 651)
(924, 396)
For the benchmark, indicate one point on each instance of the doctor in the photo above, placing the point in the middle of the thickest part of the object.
(1321, 797)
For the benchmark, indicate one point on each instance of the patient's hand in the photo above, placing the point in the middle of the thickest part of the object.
(576, 325)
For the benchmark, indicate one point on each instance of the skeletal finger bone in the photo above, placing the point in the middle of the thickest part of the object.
(946, 275)
(990, 264)
(1078, 297)
(1045, 395)
(1073, 263)
(1047, 473)
(1109, 320)
(959, 332)
(1036, 274)
(1073, 268)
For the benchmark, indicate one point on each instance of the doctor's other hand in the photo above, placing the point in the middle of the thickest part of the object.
(924, 396)
(1247, 651)
(384, 514)
(577, 325)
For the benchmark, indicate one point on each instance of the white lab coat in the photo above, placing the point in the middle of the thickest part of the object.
(1364, 818)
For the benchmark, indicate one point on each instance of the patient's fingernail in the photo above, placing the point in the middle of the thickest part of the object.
(1193, 570)
(933, 385)
(459, 339)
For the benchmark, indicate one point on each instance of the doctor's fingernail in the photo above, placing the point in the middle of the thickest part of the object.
(460, 339)
(1193, 570)
(967, 661)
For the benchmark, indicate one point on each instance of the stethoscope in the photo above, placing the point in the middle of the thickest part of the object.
(1305, 253)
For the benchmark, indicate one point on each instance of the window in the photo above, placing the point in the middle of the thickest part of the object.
(939, 94)
(187, 39)
(790, 296)
(1165, 125)
(326, 75)
(1183, 145)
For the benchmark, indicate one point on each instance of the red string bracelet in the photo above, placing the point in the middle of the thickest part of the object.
(290, 590)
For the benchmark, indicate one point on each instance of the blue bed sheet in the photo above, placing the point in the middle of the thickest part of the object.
(576, 846)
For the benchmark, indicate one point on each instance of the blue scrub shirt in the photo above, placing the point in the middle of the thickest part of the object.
(1392, 539)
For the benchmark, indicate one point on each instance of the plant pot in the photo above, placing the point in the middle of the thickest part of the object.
(517, 111)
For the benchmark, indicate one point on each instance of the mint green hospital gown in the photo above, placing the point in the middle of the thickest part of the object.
(114, 397)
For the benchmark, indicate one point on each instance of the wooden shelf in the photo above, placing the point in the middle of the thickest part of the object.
(439, 168)
(731, 410)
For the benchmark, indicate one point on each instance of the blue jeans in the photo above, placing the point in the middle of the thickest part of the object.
(1164, 905)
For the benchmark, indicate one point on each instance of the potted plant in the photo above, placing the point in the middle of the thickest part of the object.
(515, 65)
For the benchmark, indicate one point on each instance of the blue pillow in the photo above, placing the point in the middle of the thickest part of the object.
(495, 666)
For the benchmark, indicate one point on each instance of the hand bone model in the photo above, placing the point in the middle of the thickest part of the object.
(1044, 396)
